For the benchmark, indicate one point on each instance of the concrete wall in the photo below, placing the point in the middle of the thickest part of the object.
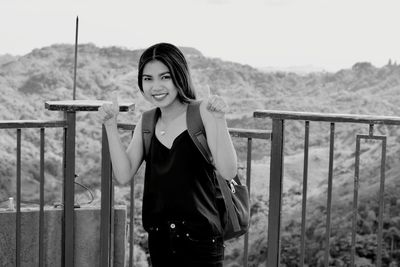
(87, 237)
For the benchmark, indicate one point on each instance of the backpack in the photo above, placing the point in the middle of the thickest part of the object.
(234, 197)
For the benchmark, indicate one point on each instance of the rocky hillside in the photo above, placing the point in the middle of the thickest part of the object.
(27, 81)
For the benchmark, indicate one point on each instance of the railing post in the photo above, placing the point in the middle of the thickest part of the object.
(107, 217)
(68, 190)
(275, 193)
(106, 223)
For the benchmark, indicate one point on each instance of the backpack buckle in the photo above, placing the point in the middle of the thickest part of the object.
(232, 186)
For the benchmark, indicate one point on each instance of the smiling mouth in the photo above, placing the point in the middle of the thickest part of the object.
(160, 96)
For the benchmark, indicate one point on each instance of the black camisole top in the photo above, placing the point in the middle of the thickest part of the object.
(180, 185)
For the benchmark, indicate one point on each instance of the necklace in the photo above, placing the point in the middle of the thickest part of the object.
(163, 130)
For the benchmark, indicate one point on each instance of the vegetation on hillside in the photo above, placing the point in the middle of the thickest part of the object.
(26, 82)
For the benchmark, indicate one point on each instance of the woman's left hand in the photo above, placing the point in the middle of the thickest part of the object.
(217, 106)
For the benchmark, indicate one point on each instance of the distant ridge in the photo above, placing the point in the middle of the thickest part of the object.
(300, 70)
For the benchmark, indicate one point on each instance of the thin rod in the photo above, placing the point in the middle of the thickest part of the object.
(76, 56)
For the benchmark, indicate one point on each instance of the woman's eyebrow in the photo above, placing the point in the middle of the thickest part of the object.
(163, 73)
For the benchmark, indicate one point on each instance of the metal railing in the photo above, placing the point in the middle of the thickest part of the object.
(276, 177)
(19, 126)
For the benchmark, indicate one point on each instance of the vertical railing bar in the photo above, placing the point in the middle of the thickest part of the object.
(68, 191)
(355, 202)
(275, 193)
(64, 160)
(41, 209)
(248, 184)
(381, 201)
(329, 198)
(18, 214)
(112, 224)
(131, 222)
(105, 227)
(371, 129)
(304, 197)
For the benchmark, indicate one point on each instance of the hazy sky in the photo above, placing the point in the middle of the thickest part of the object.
(332, 34)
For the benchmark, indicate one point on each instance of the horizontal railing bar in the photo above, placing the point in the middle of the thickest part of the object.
(250, 133)
(11, 124)
(84, 105)
(372, 137)
(330, 117)
(126, 126)
(235, 132)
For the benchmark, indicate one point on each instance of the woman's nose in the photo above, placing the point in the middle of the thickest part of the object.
(156, 84)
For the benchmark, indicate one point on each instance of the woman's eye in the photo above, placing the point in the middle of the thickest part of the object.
(146, 79)
(166, 77)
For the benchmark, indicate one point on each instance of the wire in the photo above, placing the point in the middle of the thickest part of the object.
(78, 205)
(55, 205)
(87, 189)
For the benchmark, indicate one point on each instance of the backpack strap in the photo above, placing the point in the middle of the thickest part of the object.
(198, 135)
(196, 130)
(149, 119)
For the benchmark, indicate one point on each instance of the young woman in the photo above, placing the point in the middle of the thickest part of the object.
(179, 201)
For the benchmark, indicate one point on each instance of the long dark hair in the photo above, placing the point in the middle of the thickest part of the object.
(176, 63)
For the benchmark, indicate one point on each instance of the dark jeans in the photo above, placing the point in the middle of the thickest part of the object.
(175, 244)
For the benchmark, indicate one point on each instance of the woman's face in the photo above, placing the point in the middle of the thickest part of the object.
(157, 84)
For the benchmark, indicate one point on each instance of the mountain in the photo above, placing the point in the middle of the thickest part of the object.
(300, 69)
(27, 81)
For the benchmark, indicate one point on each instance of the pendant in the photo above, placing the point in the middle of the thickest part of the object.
(162, 132)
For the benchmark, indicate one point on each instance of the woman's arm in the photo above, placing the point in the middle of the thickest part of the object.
(125, 163)
(218, 138)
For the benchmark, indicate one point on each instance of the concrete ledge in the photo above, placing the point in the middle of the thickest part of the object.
(87, 237)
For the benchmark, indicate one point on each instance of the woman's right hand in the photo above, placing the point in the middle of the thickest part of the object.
(108, 112)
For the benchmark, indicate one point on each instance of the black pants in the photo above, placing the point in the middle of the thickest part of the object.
(175, 245)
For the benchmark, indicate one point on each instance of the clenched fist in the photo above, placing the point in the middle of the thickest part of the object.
(216, 104)
(108, 112)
